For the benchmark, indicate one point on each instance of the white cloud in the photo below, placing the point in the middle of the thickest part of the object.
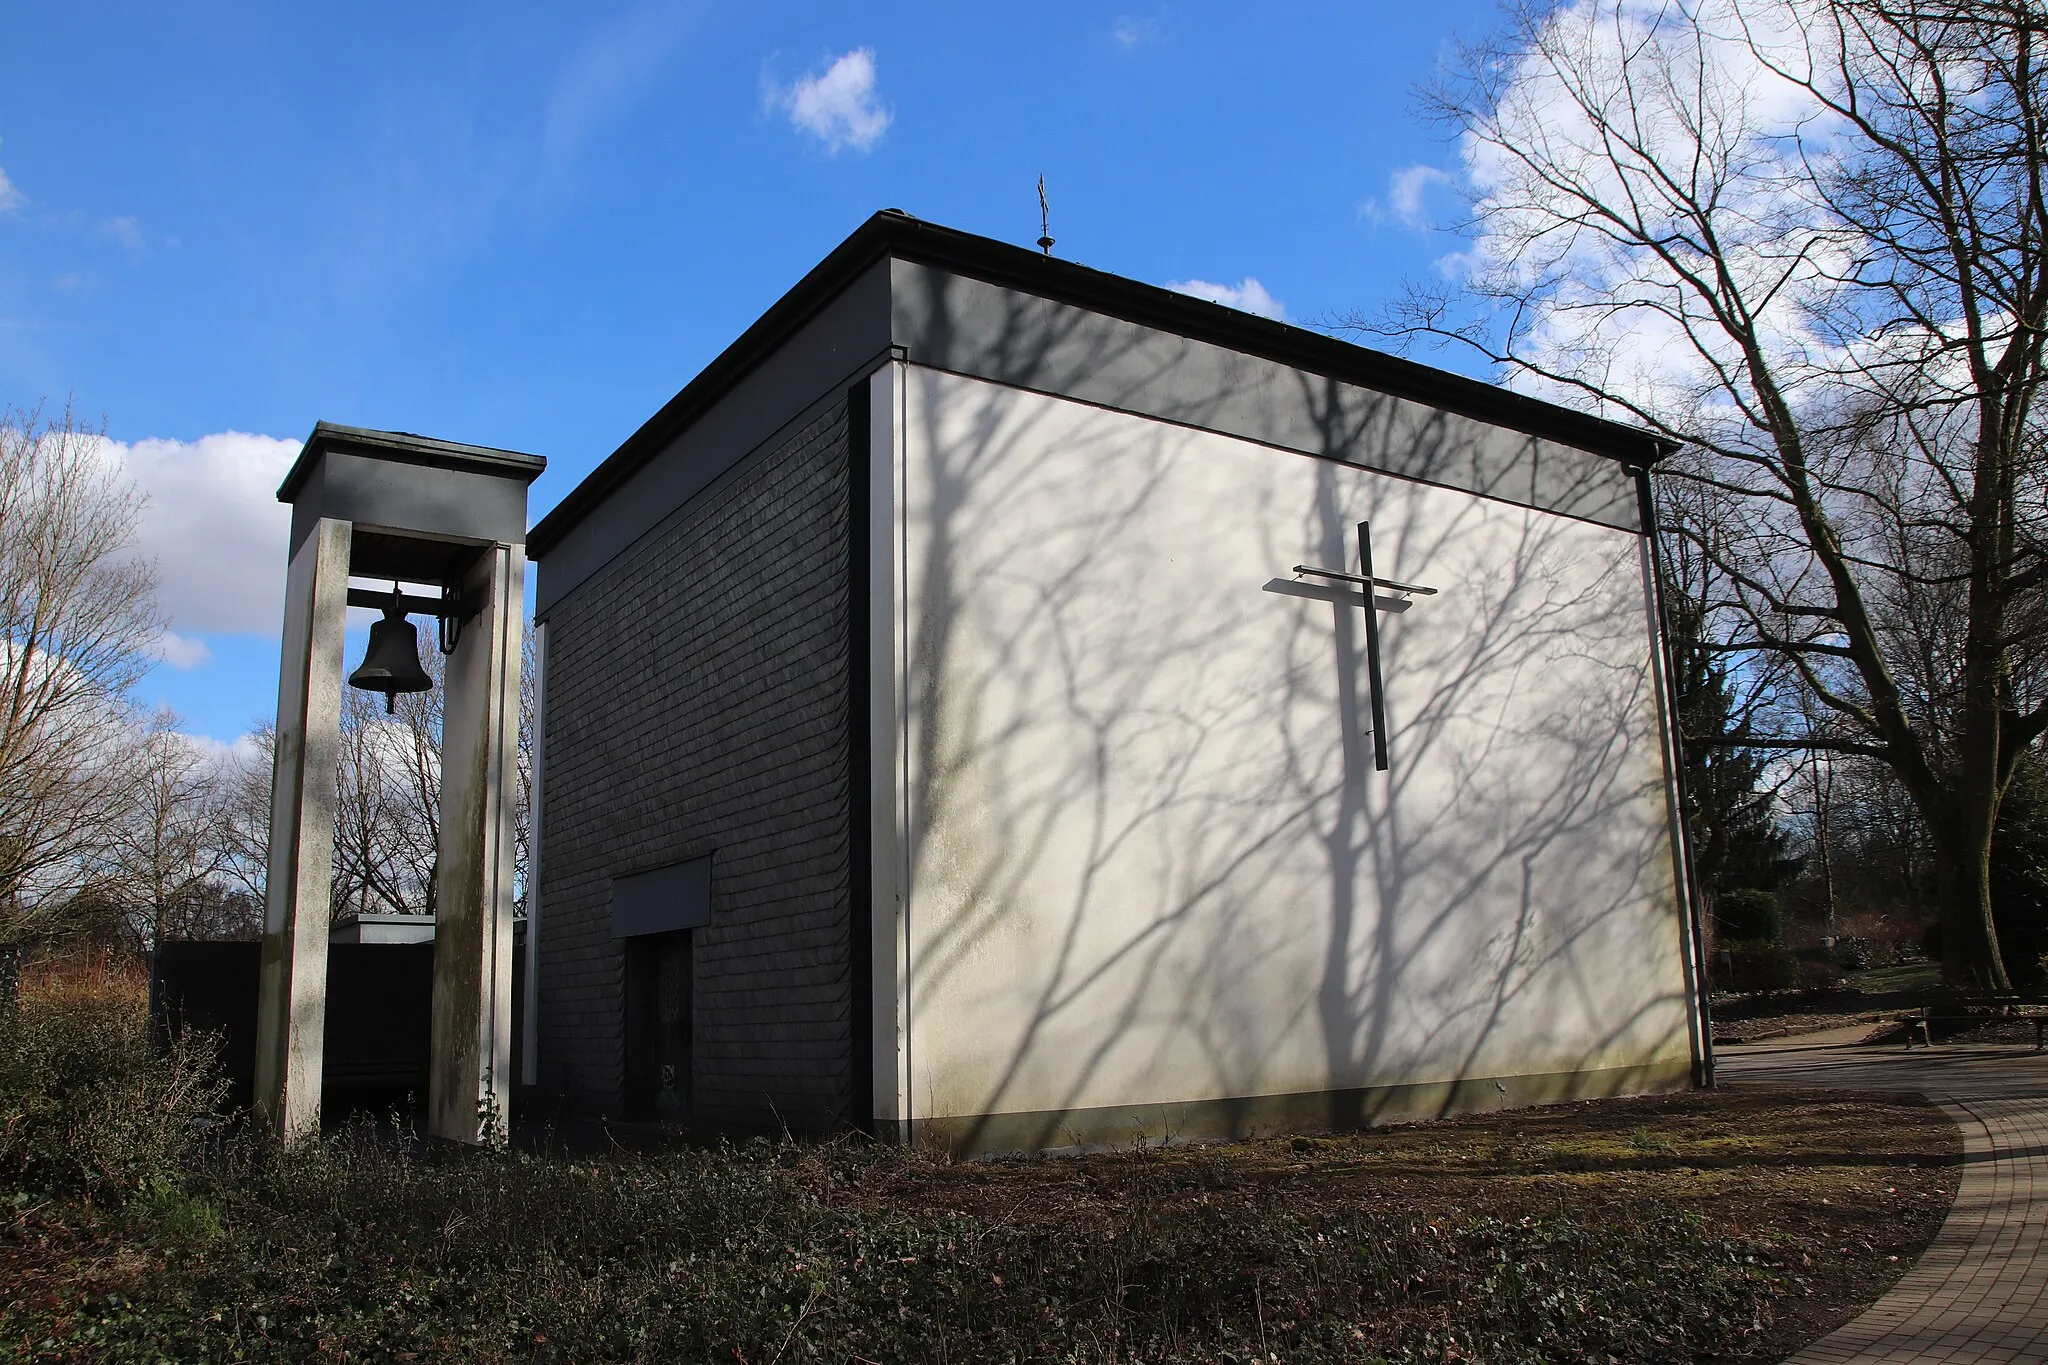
(1604, 310)
(1129, 32)
(216, 530)
(1407, 195)
(1250, 296)
(10, 197)
(607, 71)
(242, 752)
(123, 232)
(182, 651)
(839, 105)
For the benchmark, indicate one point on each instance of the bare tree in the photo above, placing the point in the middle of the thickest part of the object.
(380, 843)
(529, 682)
(412, 742)
(78, 619)
(388, 811)
(166, 862)
(244, 805)
(1807, 240)
(1725, 707)
(387, 835)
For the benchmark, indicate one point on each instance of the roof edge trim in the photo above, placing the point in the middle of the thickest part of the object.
(893, 233)
(408, 448)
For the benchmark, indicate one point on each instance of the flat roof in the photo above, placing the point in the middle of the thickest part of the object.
(408, 448)
(893, 233)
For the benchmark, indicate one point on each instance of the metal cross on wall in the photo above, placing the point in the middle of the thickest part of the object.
(1374, 679)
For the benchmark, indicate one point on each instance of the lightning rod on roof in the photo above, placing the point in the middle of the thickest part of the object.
(1044, 220)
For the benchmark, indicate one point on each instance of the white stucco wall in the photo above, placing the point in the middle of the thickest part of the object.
(1145, 852)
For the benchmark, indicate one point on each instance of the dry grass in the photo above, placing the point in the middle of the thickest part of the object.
(1656, 1229)
(1842, 1190)
(102, 978)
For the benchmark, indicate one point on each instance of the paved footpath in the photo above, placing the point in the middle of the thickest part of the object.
(1979, 1293)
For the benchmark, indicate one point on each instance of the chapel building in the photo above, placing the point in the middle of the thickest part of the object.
(965, 716)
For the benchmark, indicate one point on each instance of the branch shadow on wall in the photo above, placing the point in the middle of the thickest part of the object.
(1150, 858)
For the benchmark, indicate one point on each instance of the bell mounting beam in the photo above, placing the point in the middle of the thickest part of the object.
(452, 607)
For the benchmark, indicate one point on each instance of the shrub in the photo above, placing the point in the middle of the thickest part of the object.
(1758, 968)
(89, 1106)
(1820, 975)
(1930, 940)
(367, 1244)
(1748, 916)
(353, 1246)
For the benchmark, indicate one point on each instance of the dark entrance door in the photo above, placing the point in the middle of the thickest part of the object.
(658, 1019)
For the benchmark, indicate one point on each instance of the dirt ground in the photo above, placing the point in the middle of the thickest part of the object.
(1844, 1190)
(1883, 1026)
(1791, 1025)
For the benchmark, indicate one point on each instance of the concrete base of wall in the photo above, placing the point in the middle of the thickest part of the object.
(1258, 1116)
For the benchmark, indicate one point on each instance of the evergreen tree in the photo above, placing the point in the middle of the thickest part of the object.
(2019, 872)
(1728, 806)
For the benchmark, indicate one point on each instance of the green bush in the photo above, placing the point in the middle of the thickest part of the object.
(1748, 916)
(89, 1106)
(1757, 968)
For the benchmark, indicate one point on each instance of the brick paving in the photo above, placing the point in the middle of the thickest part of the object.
(1979, 1294)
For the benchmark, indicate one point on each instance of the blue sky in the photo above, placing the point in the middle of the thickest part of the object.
(528, 226)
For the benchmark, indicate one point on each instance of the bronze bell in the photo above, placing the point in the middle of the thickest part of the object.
(392, 662)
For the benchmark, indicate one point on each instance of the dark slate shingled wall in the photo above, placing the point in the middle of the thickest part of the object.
(697, 702)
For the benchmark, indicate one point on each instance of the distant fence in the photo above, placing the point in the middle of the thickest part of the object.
(380, 1000)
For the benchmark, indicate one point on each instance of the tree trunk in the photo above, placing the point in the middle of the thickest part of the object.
(1970, 958)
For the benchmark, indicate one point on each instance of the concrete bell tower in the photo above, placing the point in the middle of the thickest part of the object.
(393, 506)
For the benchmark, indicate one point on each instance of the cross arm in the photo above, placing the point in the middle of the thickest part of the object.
(1368, 579)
